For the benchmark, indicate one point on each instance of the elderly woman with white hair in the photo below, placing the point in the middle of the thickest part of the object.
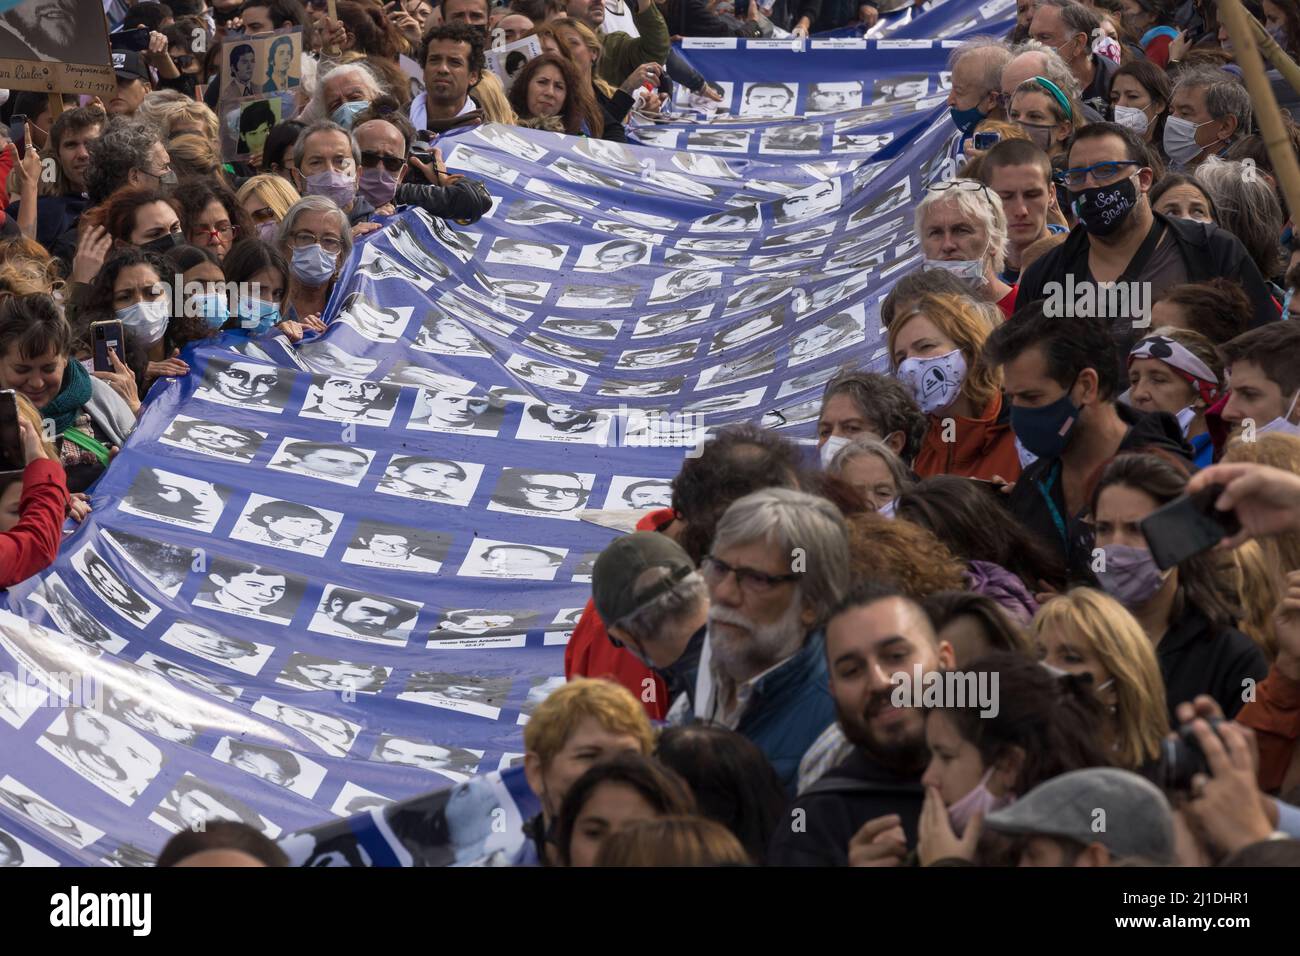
(316, 239)
(343, 90)
(872, 469)
(1246, 204)
(963, 230)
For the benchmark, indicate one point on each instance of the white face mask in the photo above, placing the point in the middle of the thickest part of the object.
(828, 450)
(935, 382)
(1132, 117)
(1185, 418)
(146, 320)
(1283, 424)
(972, 270)
(887, 509)
(1026, 456)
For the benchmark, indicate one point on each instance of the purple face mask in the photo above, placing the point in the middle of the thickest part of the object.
(340, 187)
(266, 231)
(377, 185)
(1130, 575)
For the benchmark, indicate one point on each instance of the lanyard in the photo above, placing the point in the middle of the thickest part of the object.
(82, 440)
(1045, 489)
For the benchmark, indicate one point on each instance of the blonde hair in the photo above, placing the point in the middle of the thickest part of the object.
(957, 318)
(1277, 450)
(672, 841)
(1259, 590)
(556, 717)
(195, 156)
(1111, 633)
(28, 412)
(589, 40)
(163, 109)
(272, 190)
(981, 204)
(490, 96)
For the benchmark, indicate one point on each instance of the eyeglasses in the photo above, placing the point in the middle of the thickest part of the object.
(183, 61)
(1101, 172)
(965, 185)
(265, 214)
(222, 230)
(754, 583)
(551, 491)
(370, 159)
(300, 240)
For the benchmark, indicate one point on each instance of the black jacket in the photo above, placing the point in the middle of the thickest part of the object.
(836, 807)
(615, 109)
(1198, 658)
(466, 200)
(1097, 95)
(679, 676)
(1207, 251)
(1039, 503)
(693, 18)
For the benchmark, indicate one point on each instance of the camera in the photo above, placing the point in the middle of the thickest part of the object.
(1181, 759)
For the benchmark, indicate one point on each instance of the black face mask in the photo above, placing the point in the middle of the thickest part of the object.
(163, 243)
(1103, 209)
(186, 83)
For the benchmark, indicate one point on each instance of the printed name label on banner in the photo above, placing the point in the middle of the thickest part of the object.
(793, 43)
(841, 43)
(709, 43)
(904, 44)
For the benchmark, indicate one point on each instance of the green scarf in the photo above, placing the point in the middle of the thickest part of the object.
(74, 394)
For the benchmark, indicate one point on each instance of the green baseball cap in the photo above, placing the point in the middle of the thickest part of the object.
(613, 579)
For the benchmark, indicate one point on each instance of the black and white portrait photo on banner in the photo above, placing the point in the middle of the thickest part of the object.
(557, 194)
(808, 203)
(520, 290)
(627, 231)
(175, 499)
(543, 493)
(376, 544)
(288, 525)
(478, 621)
(865, 143)
(327, 358)
(462, 310)
(245, 384)
(702, 164)
(612, 256)
(165, 566)
(638, 494)
(341, 464)
(658, 428)
(768, 98)
(833, 333)
(332, 735)
(584, 328)
(525, 252)
(250, 590)
(458, 414)
(283, 768)
(238, 653)
(422, 478)
(495, 301)
(546, 375)
(18, 700)
(488, 558)
(405, 373)
(192, 679)
(408, 244)
(565, 351)
(21, 801)
(738, 369)
(532, 212)
(464, 693)
(702, 261)
(505, 139)
(540, 422)
(582, 175)
(794, 237)
(801, 383)
(598, 296)
(755, 296)
(72, 618)
(15, 854)
(748, 329)
(112, 588)
(833, 97)
(455, 763)
(683, 284)
(353, 799)
(719, 140)
(464, 158)
(375, 265)
(614, 156)
(339, 399)
(358, 616)
(904, 88)
(737, 219)
(216, 439)
(625, 388)
(116, 758)
(192, 802)
(313, 672)
(734, 401)
(150, 706)
(374, 322)
(658, 356)
(663, 137)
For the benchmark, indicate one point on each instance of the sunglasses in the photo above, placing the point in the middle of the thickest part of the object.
(369, 160)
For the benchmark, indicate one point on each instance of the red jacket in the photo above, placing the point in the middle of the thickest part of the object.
(983, 447)
(1274, 715)
(590, 654)
(33, 544)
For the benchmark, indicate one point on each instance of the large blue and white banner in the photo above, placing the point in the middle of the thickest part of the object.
(320, 581)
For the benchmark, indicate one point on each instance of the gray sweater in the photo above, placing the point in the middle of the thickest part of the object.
(109, 412)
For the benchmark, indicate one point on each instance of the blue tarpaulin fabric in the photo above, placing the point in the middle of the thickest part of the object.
(323, 586)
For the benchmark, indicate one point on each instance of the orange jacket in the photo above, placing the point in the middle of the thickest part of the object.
(983, 447)
(1274, 715)
(590, 654)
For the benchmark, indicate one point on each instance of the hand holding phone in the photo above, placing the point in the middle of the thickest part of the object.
(1188, 526)
(105, 336)
(13, 456)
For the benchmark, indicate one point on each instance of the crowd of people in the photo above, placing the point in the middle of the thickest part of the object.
(976, 510)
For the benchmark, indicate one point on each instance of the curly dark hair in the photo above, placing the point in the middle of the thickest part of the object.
(886, 403)
(122, 146)
(461, 33)
(198, 193)
(738, 460)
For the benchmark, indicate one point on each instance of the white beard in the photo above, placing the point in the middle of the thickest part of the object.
(740, 658)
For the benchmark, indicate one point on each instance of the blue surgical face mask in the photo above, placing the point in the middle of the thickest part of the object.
(1286, 304)
(347, 112)
(257, 316)
(312, 265)
(1046, 430)
(966, 120)
(212, 308)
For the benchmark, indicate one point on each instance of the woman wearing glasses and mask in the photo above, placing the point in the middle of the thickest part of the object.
(1049, 118)
(963, 230)
(212, 217)
(316, 240)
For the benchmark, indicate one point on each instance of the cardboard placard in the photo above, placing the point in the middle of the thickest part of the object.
(259, 80)
(55, 46)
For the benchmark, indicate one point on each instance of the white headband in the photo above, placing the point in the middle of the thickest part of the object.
(1174, 354)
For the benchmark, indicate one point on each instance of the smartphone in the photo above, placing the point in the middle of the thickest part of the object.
(11, 442)
(104, 336)
(136, 41)
(986, 139)
(1188, 526)
(17, 129)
